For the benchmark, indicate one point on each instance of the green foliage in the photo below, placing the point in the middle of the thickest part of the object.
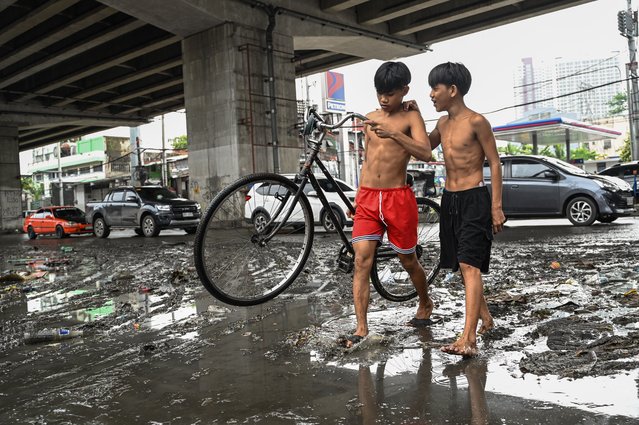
(180, 142)
(515, 149)
(36, 190)
(618, 104)
(583, 153)
(625, 154)
(554, 151)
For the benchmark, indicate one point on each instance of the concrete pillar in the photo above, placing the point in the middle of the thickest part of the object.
(10, 187)
(227, 100)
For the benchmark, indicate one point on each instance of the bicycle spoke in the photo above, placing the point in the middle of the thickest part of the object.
(388, 275)
(238, 258)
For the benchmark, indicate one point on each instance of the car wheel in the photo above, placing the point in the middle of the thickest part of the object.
(150, 226)
(191, 230)
(328, 224)
(260, 221)
(581, 211)
(59, 232)
(138, 231)
(100, 228)
(31, 233)
(608, 218)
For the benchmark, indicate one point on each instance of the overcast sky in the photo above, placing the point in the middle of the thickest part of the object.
(492, 56)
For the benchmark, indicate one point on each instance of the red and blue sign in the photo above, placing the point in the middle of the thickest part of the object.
(335, 97)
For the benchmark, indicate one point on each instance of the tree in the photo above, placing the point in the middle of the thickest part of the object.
(515, 149)
(583, 153)
(36, 190)
(625, 155)
(180, 142)
(618, 104)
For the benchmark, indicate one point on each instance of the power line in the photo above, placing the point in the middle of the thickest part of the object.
(559, 96)
(570, 75)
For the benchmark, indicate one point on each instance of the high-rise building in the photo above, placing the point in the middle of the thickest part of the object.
(571, 86)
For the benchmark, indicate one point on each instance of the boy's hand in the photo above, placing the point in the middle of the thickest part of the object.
(410, 105)
(498, 220)
(379, 130)
(350, 214)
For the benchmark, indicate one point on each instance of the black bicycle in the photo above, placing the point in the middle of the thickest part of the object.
(257, 233)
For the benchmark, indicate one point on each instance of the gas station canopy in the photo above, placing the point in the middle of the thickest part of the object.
(553, 131)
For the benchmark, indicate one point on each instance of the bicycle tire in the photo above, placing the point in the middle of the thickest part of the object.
(388, 276)
(231, 258)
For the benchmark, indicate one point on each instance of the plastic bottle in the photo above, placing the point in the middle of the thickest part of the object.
(51, 335)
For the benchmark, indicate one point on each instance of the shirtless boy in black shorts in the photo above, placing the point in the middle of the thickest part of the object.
(469, 217)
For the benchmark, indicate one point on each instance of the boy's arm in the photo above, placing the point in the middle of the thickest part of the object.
(417, 144)
(435, 138)
(486, 138)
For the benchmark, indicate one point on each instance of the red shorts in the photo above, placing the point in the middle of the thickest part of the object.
(392, 210)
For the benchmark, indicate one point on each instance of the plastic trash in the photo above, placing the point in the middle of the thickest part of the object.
(449, 277)
(555, 265)
(51, 335)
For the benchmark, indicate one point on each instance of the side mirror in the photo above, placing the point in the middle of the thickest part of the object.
(132, 198)
(551, 174)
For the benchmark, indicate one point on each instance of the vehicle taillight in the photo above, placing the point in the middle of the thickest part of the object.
(247, 198)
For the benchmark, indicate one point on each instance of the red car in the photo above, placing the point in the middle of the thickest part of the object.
(61, 221)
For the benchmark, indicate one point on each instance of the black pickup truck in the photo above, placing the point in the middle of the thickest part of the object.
(145, 209)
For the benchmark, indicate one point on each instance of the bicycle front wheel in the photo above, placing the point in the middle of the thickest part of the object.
(388, 275)
(238, 258)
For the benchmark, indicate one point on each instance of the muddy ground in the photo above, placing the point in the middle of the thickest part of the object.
(156, 348)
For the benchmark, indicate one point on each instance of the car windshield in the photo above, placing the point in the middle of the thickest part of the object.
(154, 194)
(68, 213)
(567, 167)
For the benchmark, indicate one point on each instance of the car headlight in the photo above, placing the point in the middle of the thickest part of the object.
(163, 207)
(70, 223)
(198, 207)
(607, 185)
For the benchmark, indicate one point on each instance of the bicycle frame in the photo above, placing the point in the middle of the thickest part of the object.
(306, 174)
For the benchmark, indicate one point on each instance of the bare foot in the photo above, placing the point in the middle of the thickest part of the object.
(486, 325)
(349, 341)
(426, 309)
(459, 348)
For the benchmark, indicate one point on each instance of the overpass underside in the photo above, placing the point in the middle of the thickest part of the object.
(73, 67)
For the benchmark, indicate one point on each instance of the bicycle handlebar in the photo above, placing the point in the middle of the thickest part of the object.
(315, 121)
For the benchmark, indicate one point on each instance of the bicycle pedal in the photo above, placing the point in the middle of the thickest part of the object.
(345, 262)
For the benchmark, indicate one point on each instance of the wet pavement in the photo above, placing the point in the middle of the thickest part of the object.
(155, 348)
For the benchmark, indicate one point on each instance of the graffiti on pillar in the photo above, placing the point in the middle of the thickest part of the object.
(10, 205)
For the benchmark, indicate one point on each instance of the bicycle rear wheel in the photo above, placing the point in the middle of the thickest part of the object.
(234, 257)
(389, 277)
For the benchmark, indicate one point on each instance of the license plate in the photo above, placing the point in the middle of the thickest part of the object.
(630, 201)
(187, 214)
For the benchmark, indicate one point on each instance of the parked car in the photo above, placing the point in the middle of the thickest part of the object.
(145, 209)
(629, 171)
(61, 221)
(539, 186)
(265, 199)
(423, 182)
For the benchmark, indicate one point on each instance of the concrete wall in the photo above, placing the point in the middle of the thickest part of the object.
(10, 187)
(227, 106)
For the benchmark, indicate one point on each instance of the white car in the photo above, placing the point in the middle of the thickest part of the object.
(263, 200)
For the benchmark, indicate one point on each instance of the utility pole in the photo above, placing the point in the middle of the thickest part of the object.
(164, 176)
(627, 24)
(61, 188)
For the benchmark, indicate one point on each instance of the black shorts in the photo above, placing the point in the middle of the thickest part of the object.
(466, 228)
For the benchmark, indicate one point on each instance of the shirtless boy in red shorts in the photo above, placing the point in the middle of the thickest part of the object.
(384, 202)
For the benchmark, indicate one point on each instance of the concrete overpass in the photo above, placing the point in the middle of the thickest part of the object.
(73, 67)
